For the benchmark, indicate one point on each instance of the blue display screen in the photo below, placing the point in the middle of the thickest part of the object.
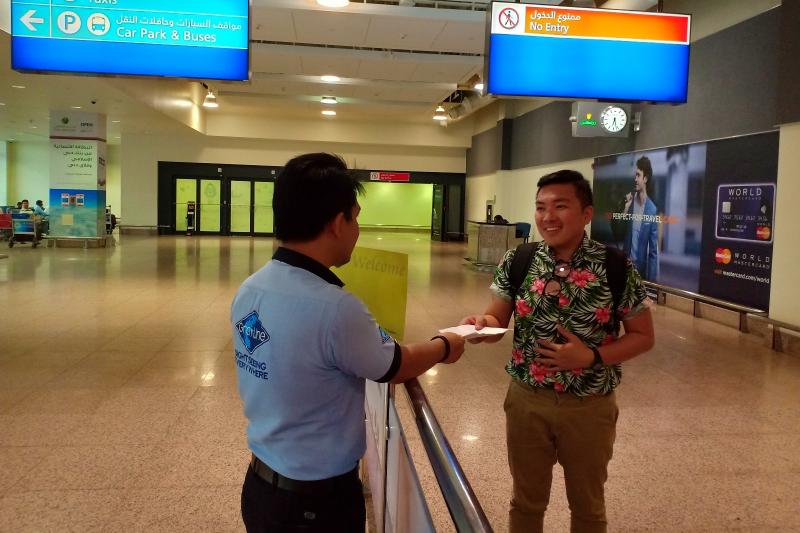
(206, 39)
(520, 65)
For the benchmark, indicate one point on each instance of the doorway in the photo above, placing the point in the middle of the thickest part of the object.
(239, 206)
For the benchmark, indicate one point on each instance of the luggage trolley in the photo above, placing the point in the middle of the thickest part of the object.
(25, 227)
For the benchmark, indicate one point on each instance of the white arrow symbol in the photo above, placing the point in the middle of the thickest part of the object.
(28, 19)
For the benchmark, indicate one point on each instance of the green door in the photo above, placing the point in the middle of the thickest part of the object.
(185, 192)
(241, 206)
(262, 207)
(210, 205)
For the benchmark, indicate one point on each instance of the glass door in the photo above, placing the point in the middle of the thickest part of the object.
(185, 192)
(241, 206)
(210, 206)
(262, 207)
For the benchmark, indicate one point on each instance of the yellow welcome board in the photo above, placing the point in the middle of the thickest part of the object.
(380, 279)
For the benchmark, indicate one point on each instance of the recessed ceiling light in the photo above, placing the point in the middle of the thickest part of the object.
(18, 86)
(439, 109)
(328, 100)
(2, 103)
(76, 107)
(330, 79)
(329, 112)
(334, 3)
(440, 117)
(478, 87)
(116, 121)
(34, 127)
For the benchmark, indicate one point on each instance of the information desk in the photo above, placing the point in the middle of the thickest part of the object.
(488, 242)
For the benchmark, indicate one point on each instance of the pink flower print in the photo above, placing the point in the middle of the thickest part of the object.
(608, 339)
(538, 286)
(537, 371)
(603, 314)
(563, 301)
(523, 309)
(558, 387)
(577, 372)
(581, 278)
(517, 357)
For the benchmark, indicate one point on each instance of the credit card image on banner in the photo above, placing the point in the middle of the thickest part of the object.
(745, 212)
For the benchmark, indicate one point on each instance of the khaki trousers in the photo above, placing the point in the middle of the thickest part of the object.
(544, 427)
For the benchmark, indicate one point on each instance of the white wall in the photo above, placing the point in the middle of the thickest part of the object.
(113, 181)
(140, 154)
(29, 172)
(3, 173)
(515, 191)
(784, 303)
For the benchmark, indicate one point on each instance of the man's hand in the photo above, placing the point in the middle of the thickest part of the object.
(572, 353)
(479, 321)
(628, 201)
(456, 347)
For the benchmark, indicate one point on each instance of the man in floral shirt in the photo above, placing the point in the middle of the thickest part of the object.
(565, 362)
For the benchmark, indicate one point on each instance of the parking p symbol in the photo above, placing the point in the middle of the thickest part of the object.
(69, 22)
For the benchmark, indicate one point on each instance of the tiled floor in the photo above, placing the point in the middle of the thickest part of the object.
(119, 410)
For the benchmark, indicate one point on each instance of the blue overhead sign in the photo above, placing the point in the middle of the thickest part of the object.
(178, 38)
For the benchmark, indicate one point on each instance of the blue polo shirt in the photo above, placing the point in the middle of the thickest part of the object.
(304, 348)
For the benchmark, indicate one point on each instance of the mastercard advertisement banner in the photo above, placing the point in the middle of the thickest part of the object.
(607, 54)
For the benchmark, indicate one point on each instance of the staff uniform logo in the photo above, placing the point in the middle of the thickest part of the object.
(252, 332)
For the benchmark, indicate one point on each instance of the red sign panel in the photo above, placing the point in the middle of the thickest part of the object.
(390, 176)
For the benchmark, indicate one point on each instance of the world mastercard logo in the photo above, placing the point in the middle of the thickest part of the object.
(723, 256)
(763, 233)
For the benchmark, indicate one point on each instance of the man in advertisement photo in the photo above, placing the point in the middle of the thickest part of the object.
(641, 237)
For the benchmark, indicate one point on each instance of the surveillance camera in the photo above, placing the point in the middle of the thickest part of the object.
(94, 102)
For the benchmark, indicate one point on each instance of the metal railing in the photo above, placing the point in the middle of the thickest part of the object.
(465, 510)
(745, 312)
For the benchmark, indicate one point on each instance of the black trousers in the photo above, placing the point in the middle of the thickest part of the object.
(268, 509)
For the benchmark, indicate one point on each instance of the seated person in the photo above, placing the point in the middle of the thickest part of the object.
(40, 210)
(498, 219)
(25, 207)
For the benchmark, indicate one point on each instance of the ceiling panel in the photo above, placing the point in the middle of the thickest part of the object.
(322, 27)
(446, 72)
(386, 69)
(340, 65)
(461, 37)
(263, 59)
(403, 34)
(273, 25)
(402, 94)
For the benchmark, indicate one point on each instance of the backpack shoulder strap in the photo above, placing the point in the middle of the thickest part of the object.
(616, 272)
(520, 264)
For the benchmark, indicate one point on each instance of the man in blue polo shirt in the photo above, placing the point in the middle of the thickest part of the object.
(304, 348)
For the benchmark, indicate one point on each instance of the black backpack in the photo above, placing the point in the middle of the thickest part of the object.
(616, 269)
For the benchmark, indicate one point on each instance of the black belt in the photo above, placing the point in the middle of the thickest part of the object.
(317, 486)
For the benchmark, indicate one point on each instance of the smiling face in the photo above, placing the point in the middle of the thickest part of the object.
(560, 218)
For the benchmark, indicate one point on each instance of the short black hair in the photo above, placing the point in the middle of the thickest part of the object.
(309, 192)
(582, 188)
(644, 164)
(39, 202)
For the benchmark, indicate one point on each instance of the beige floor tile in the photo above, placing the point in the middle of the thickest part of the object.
(197, 426)
(42, 360)
(135, 428)
(135, 343)
(10, 398)
(166, 359)
(222, 401)
(68, 511)
(194, 465)
(62, 401)
(179, 510)
(187, 376)
(16, 462)
(146, 400)
(92, 377)
(38, 429)
(27, 378)
(85, 467)
(198, 343)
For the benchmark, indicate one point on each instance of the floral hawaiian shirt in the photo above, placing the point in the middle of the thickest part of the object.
(583, 306)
